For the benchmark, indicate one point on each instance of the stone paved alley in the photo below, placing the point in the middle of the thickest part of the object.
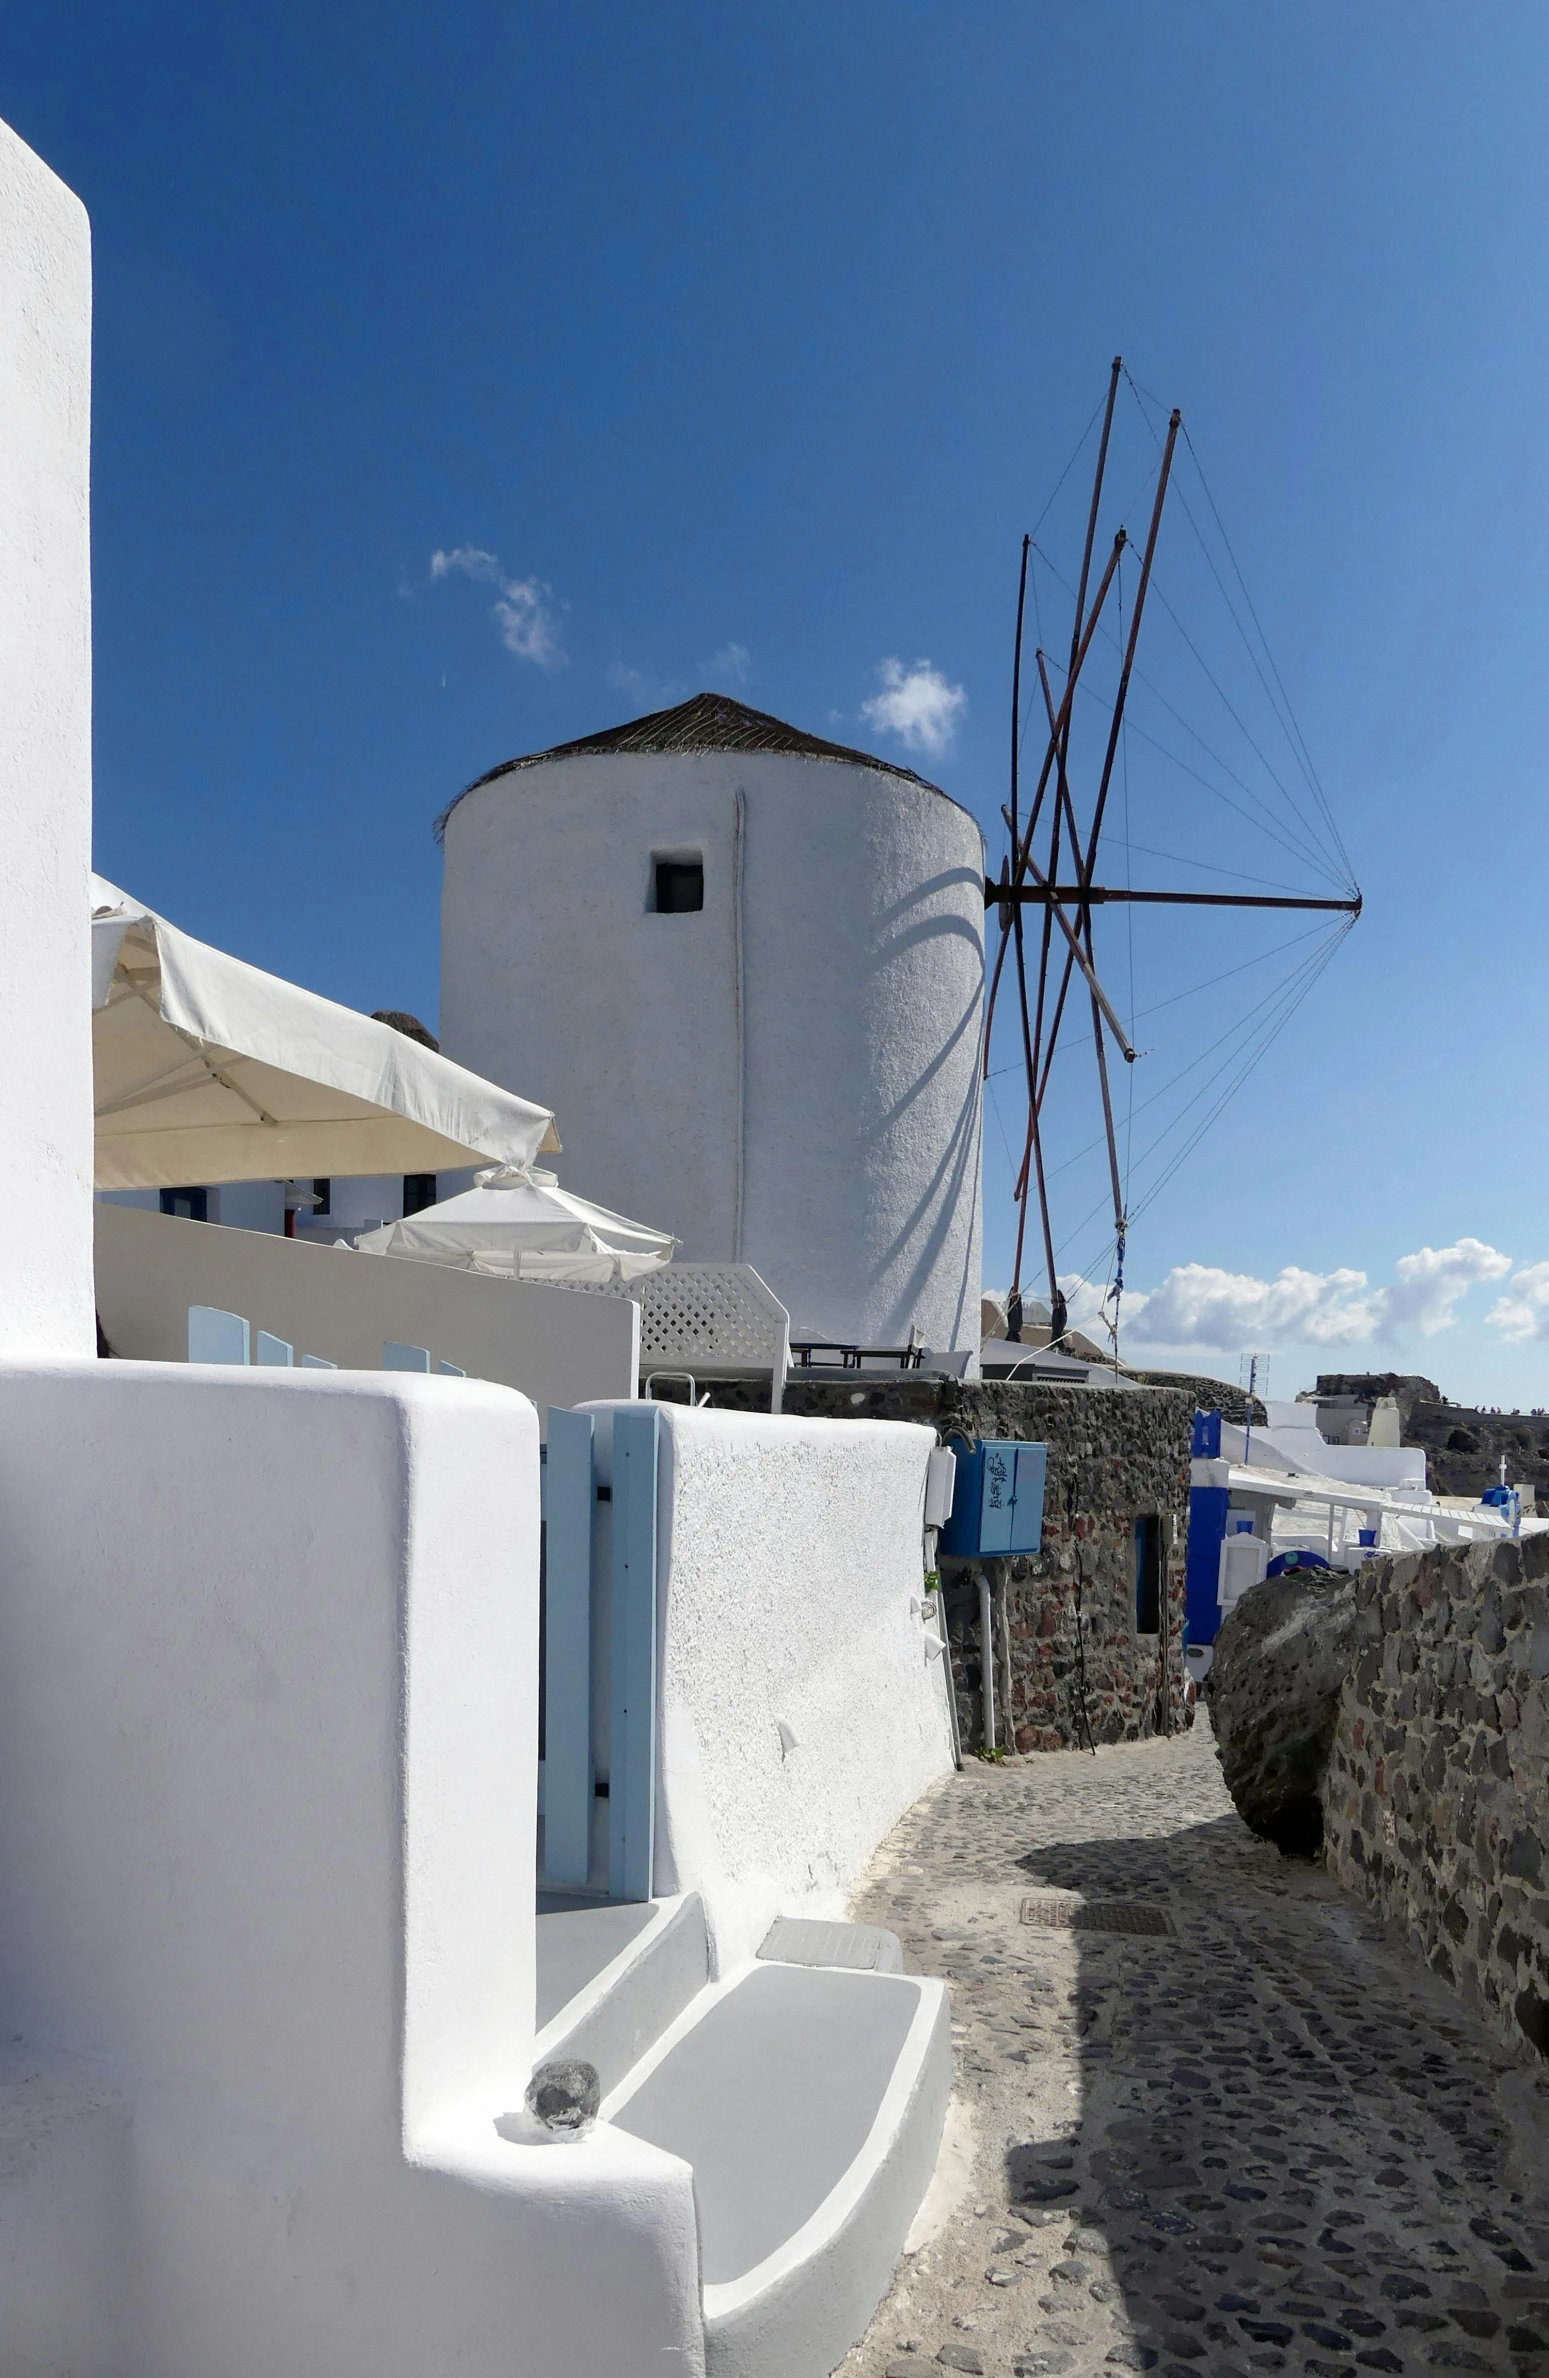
(1265, 2139)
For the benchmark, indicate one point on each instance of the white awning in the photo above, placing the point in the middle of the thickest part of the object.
(207, 1069)
(518, 1223)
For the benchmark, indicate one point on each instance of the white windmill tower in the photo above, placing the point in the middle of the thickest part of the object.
(747, 966)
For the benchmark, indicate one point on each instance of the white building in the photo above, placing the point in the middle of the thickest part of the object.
(752, 962)
(274, 1978)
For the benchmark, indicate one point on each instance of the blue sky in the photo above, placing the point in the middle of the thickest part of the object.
(746, 343)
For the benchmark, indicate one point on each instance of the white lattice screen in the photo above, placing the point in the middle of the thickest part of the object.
(708, 1318)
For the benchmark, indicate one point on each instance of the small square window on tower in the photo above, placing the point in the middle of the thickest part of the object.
(679, 885)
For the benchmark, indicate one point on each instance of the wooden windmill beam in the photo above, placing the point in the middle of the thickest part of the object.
(1050, 899)
(1047, 895)
(1082, 630)
(1020, 856)
(1086, 867)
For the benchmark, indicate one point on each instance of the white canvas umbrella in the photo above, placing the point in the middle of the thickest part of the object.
(207, 1069)
(517, 1222)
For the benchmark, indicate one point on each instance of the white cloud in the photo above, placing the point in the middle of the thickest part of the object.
(917, 705)
(1199, 1304)
(1084, 1300)
(525, 608)
(731, 664)
(472, 560)
(1523, 1311)
(1431, 1282)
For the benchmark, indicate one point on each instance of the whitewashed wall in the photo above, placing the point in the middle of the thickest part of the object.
(45, 758)
(268, 1755)
(790, 1576)
(789, 1077)
(555, 1345)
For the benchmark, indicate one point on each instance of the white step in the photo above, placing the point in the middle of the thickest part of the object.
(810, 2103)
(858, 1948)
(613, 1976)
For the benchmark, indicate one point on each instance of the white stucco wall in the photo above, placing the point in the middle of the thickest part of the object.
(790, 1574)
(268, 1653)
(787, 1077)
(45, 758)
(553, 1344)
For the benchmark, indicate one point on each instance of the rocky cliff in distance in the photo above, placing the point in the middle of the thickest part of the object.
(1463, 1446)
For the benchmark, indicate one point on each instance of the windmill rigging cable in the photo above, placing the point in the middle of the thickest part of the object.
(1316, 968)
(1290, 797)
(1194, 991)
(1175, 858)
(1279, 699)
(1294, 725)
(1233, 1030)
(1282, 1003)
(1300, 826)
(1313, 853)
(1272, 1033)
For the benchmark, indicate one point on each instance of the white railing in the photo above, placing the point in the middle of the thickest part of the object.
(218, 1336)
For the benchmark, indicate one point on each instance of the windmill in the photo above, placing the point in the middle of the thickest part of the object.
(1052, 880)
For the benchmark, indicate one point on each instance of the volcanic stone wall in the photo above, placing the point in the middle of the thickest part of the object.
(1065, 1621)
(1436, 1797)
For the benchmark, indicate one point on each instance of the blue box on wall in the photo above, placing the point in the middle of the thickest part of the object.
(997, 1504)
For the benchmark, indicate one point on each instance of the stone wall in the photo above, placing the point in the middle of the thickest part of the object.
(1114, 1455)
(1436, 1798)
(1209, 1395)
(1079, 1670)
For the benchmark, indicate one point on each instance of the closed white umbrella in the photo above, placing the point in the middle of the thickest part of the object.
(207, 1069)
(517, 1222)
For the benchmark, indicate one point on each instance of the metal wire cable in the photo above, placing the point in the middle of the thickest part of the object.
(1279, 699)
(1294, 723)
(1310, 967)
(1240, 722)
(1311, 852)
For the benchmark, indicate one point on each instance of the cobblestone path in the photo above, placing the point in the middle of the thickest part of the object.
(1265, 2139)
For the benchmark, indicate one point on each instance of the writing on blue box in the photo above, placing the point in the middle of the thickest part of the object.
(998, 1504)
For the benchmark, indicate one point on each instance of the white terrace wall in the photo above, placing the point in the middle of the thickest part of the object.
(790, 1582)
(268, 1721)
(45, 758)
(556, 1345)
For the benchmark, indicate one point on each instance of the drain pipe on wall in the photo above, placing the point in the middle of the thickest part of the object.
(1006, 1726)
(940, 1486)
(1164, 1640)
(987, 1657)
(740, 1002)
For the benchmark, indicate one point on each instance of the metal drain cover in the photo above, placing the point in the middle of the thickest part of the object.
(1096, 1915)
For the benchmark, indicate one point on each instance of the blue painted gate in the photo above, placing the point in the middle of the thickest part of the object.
(600, 1648)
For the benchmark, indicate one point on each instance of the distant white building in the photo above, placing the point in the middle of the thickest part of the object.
(748, 966)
